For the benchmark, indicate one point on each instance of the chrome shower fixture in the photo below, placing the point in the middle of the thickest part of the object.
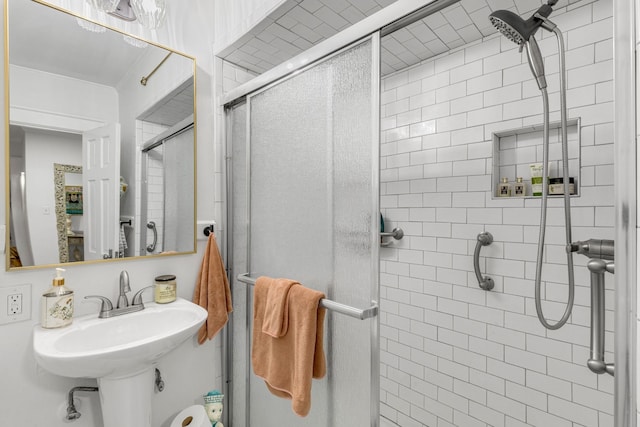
(517, 29)
(522, 32)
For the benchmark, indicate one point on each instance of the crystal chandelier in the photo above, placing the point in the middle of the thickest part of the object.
(150, 14)
(104, 5)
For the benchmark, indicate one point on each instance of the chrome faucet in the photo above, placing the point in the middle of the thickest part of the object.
(122, 307)
(124, 288)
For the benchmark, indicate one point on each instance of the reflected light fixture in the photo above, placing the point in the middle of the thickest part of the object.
(90, 26)
(150, 14)
(135, 42)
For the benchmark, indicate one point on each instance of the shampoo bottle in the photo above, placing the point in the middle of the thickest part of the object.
(57, 304)
(519, 189)
(504, 188)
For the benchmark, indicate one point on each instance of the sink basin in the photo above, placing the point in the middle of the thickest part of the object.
(120, 352)
(114, 347)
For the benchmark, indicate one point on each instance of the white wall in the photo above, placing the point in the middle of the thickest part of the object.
(191, 370)
(42, 150)
(59, 102)
(453, 354)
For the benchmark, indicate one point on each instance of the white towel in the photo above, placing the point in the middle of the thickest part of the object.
(123, 241)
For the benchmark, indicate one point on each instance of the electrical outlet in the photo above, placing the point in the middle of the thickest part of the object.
(15, 304)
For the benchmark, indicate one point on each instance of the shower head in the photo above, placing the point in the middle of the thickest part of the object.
(521, 32)
(514, 27)
(517, 29)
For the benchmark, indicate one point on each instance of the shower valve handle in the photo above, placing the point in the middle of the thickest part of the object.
(593, 248)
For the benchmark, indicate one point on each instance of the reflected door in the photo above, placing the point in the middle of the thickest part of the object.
(312, 210)
(101, 191)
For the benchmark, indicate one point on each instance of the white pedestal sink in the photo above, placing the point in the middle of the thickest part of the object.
(120, 352)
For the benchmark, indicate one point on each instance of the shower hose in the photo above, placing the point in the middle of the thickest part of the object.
(545, 191)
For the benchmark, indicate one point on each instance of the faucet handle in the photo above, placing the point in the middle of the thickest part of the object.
(106, 306)
(137, 298)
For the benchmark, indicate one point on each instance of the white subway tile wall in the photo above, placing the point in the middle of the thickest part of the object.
(233, 76)
(146, 131)
(452, 354)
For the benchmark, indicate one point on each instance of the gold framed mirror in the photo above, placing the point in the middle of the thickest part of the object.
(89, 100)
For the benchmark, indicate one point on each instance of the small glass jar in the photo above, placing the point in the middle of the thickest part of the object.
(165, 289)
(556, 186)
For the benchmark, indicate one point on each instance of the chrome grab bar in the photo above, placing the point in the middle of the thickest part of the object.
(596, 363)
(152, 226)
(397, 234)
(486, 282)
(367, 313)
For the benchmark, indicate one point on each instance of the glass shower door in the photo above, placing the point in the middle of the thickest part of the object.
(313, 216)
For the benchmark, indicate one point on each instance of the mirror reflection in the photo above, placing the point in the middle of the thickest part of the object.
(102, 142)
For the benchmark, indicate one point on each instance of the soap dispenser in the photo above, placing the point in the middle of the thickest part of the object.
(57, 304)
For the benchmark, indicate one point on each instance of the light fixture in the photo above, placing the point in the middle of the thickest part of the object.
(150, 14)
(104, 5)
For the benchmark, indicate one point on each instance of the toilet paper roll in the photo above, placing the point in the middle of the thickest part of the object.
(192, 416)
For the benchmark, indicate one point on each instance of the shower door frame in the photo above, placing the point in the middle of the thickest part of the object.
(227, 361)
(625, 206)
(404, 12)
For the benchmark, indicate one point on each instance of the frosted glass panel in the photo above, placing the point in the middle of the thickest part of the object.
(313, 215)
(179, 192)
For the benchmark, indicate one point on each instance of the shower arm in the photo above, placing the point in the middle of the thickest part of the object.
(550, 26)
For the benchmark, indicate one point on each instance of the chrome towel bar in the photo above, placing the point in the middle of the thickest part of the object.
(486, 282)
(367, 313)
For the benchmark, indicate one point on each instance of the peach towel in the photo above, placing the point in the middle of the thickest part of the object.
(276, 312)
(288, 363)
(212, 291)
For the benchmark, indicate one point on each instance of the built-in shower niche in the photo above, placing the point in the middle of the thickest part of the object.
(516, 149)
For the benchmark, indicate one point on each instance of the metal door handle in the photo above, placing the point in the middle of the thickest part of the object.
(596, 363)
(486, 282)
(152, 226)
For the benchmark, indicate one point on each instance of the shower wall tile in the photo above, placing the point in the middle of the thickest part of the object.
(453, 354)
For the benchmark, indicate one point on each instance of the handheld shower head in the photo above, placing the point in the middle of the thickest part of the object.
(513, 26)
(535, 62)
(521, 32)
(517, 29)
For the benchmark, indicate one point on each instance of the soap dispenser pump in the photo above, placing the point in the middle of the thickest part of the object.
(57, 304)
